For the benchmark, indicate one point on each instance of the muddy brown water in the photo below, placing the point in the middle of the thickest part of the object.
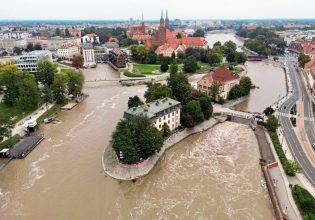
(213, 175)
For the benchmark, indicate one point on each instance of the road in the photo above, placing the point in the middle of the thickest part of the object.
(299, 93)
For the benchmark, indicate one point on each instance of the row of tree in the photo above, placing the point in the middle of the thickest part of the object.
(241, 89)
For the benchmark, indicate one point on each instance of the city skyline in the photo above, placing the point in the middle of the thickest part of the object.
(105, 10)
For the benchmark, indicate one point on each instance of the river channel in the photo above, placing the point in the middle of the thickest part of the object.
(213, 175)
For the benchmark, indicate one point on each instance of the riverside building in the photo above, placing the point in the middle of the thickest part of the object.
(164, 110)
(28, 62)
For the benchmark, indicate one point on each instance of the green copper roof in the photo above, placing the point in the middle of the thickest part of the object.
(152, 108)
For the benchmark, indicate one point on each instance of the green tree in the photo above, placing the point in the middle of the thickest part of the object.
(229, 47)
(173, 68)
(134, 101)
(75, 82)
(199, 33)
(67, 33)
(164, 67)
(178, 35)
(29, 95)
(191, 114)
(9, 79)
(205, 104)
(135, 138)
(47, 94)
(214, 91)
(57, 32)
(217, 44)
(303, 59)
(214, 58)
(46, 71)
(29, 47)
(17, 50)
(180, 86)
(272, 123)
(269, 111)
(190, 65)
(173, 57)
(166, 131)
(156, 91)
(245, 84)
(5, 128)
(59, 88)
(37, 46)
(240, 57)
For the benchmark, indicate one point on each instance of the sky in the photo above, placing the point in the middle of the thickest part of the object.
(182, 9)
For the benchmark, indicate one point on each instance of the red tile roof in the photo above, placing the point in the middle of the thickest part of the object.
(221, 75)
(310, 65)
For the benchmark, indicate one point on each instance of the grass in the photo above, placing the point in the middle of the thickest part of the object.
(14, 114)
(53, 111)
(203, 66)
(10, 142)
(313, 108)
(289, 167)
(145, 69)
(305, 202)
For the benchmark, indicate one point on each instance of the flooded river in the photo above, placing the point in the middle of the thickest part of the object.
(213, 175)
(270, 78)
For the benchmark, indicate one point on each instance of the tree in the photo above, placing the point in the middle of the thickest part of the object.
(134, 101)
(37, 46)
(217, 44)
(214, 58)
(29, 47)
(164, 67)
(214, 91)
(166, 131)
(17, 50)
(77, 61)
(173, 68)
(47, 94)
(240, 57)
(269, 111)
(190, 65)
(75, 82)
(245, 84)
(29, 95)
(192, 114)
(272, 123)
(156, 91)
(9, 79)
(199, 33)
(136, 139)
(59, 88)
(205, 104)
(180, 86)
(178, 35)
(303, 59)
(67, 33)
(58, 32)
(229, 46)
(173, 56)
(5, 128)
(46, 71)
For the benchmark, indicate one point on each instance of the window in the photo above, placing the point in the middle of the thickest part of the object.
(168, 121)
(164, 117)
(173, 113)
(160, 120)
(160, 126)
(169, 115)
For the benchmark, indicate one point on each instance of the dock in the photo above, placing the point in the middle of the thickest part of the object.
(69, 106)
(25, 146)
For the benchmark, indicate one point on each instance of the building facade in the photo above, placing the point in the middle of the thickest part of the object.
(90, 38)
(222, 77)
(28, 62)
(68, 53)
(88, 55)
(118, 58)
(159, 112)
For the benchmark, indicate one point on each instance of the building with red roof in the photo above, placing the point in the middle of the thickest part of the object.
(222, 77)
(303, 47)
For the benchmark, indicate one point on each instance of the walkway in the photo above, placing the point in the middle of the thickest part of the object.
(18, 129)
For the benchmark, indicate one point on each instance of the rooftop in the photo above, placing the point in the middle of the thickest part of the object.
(151, 109)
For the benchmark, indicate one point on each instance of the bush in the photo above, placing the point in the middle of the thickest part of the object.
(272, 123)
(164, 67)
(192, 114)
(129, 74)
(305, 201)
(10, 142)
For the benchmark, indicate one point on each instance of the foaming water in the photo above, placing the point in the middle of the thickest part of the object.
(214, 175)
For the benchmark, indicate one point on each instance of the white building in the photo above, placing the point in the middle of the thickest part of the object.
(165, 110)
(88, 55)
(66, 52)
(29, 61)
(90, 38)
(11, 43)
(55, 43)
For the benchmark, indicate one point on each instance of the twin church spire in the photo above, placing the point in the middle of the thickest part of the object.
(165, 22)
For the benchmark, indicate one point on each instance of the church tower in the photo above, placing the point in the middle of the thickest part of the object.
(162, 19)
(167, 21)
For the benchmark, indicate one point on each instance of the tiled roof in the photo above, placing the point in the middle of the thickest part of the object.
(310, 65)
(221, 76)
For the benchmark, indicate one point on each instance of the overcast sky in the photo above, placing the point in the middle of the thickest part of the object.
(183, 9)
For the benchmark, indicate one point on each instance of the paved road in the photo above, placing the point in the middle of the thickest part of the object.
(299, 91)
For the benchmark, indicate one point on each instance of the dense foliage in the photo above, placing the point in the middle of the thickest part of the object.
(46, 71)
(205, 104)
(305, 201)
(136, 139)
(77, 61)
(269, 111)
(242, 89)
(303, 59)
(134, 101)
(180, 86)
(156, 91)
(263, 41)
(272, 123)
(191, 114)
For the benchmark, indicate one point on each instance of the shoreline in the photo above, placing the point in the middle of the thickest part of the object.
(113, 168)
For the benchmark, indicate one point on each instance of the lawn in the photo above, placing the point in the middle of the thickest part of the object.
(53, 111)
(203, 66)
(14, 114)
(305, 202)
(10, 142)
(145, 69)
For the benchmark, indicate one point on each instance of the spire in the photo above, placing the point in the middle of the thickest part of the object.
(162, 13)
(142, 17)
(166, 13)
(162, 18)
(167, 21)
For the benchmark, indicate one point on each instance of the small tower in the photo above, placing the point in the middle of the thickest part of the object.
(167, 21)
(162, 18)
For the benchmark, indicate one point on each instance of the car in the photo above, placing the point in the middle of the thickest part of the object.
(313, 145)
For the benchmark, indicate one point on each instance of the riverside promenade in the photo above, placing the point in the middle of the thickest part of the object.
(117, 170)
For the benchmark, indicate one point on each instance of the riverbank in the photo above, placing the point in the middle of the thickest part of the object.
(117, 170)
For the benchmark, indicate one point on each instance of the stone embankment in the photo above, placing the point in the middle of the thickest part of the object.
(117, 170)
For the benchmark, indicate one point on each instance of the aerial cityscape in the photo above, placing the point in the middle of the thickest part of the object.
(157, 110)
